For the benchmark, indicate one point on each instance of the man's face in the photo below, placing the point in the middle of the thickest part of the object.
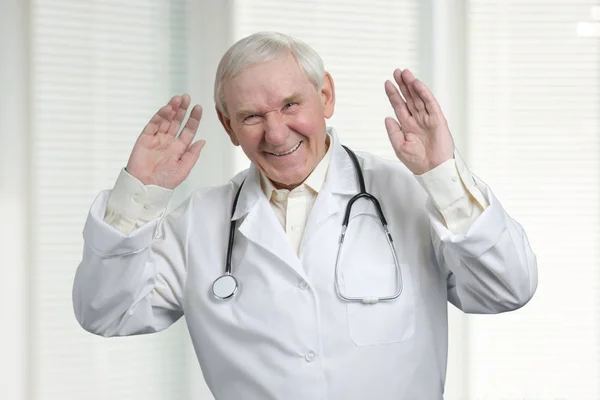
(278, 117)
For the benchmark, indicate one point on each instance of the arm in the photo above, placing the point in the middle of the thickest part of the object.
(130, 284)
(491, 267)
(130, 281)
(485, 253)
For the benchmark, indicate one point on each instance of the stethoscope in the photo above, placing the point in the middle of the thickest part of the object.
(226, 286)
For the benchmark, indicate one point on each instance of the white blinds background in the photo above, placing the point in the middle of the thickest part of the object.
(100, 70)
(361, 44)
(534, 119)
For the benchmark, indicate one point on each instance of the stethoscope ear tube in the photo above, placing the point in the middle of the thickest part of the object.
(361, 179)
(369, 196)
(363, 191)
(226, 286)
(364, 194)
(232, 232)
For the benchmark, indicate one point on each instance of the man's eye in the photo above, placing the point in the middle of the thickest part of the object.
(290, 105)
(252, 119)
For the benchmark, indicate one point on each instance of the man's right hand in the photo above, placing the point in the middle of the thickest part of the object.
(159, 156)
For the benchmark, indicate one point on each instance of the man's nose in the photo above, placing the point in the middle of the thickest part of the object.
(276, 130)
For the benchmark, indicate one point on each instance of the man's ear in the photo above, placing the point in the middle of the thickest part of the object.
(226, 122)
(328, 95)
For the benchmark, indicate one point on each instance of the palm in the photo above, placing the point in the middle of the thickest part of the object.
(420, 138)
(159, 156)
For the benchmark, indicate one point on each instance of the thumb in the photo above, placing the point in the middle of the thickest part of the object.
(189, 158)
(395, 133)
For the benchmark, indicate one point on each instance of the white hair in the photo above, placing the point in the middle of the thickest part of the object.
(262, 47)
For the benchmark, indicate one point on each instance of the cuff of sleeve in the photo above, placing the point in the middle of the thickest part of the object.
(443, 184)
(449, 182)
(108, 241)
(469, 181)
(482, 235)
(133, 199)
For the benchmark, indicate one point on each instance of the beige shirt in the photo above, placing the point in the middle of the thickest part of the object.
(292, 207)
(131, 204)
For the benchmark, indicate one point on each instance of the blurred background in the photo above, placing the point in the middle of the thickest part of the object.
(517, 79)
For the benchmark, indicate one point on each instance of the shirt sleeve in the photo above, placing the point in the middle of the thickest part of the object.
(454, 193)
(132, 204)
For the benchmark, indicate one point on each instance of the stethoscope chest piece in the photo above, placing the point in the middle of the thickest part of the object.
(224, 287)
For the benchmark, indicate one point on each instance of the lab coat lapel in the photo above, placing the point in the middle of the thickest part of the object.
(260, 225)
(340, 185)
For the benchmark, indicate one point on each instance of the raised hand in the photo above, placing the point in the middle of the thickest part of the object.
(159, 156)
(420, 137)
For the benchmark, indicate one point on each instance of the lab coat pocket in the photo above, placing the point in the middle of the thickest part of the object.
(389, 321)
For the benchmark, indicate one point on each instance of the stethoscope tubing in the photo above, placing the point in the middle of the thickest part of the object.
(229, 278)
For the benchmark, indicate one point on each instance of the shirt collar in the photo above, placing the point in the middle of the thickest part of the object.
(315, 180)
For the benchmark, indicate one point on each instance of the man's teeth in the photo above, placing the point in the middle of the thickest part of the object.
(289, 151)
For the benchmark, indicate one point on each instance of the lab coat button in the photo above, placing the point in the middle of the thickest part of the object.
(454, 178)
(303, 285)
(310, 356)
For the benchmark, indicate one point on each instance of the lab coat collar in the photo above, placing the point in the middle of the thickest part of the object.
(341, 175)
(251, 191)
(341, 179)
(340, 184)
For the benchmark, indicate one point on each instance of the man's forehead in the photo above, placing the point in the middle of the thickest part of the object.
(268, 83)
(283, 69)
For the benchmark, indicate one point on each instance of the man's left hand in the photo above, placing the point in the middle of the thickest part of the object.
(420, 137)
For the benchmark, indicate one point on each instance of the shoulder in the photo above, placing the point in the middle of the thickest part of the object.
(220, 195)
(391, 178)
(382, 168)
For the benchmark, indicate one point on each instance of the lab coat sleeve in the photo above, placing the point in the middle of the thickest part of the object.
(491, 268)
(129, 284)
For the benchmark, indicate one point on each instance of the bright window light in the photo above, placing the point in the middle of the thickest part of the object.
(588, 29)
(596, 13)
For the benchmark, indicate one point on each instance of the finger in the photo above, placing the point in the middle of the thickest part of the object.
(190, 128)
(172, 107)
(395, 133)
(397, 102)
(409, 79)
(405, 92)
(190, 156)
(179, 116)
(162, 119)
(431, 104)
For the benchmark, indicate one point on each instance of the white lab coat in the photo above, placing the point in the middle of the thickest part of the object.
(286, 334)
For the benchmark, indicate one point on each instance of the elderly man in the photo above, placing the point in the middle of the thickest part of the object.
(288, 293)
